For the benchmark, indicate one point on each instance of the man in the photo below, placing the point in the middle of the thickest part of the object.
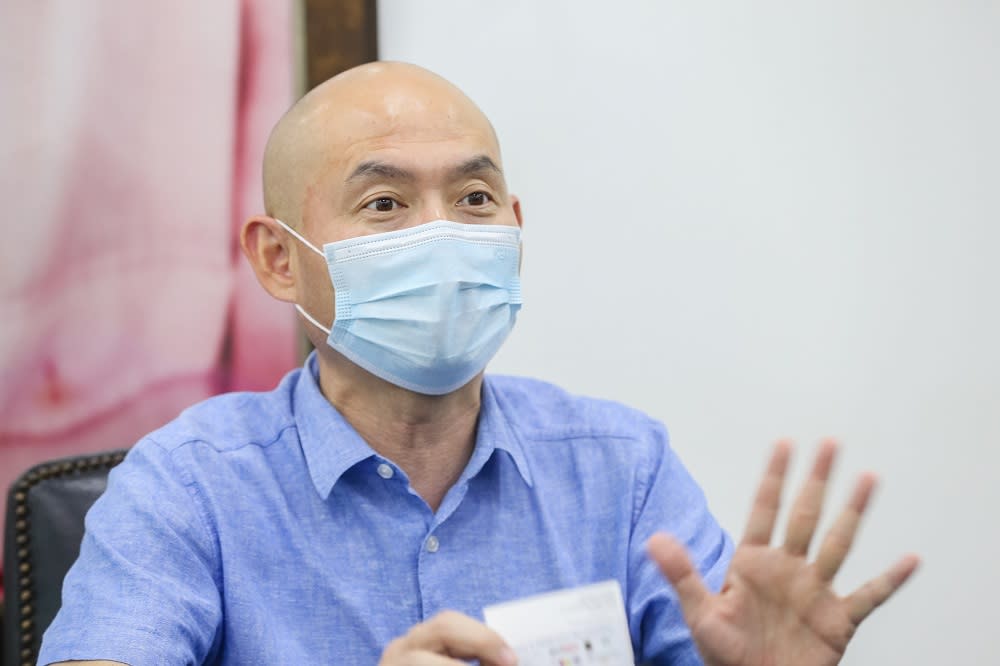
(368, 509)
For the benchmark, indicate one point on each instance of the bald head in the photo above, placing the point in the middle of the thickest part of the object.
(367, 107)
(380, 148)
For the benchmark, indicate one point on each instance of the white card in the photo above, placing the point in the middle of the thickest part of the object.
(583, 626)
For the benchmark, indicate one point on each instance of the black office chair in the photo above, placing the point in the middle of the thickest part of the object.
(45, 511)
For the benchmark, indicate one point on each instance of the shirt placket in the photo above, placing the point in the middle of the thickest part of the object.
(435, 562)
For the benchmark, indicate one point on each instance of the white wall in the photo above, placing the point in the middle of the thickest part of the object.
(757, 219)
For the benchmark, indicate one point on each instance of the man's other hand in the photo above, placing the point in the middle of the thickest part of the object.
(776, 607)
(447, 639)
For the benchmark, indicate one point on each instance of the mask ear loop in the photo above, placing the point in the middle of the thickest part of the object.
(301, 238)
(312, 321)
(312, 247)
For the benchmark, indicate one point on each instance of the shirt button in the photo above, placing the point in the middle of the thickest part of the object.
(385, 471)
(432, 544)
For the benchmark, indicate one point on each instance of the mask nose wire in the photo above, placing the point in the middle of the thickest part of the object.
(302, 310)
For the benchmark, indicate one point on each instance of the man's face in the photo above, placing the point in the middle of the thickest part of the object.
(393, 162)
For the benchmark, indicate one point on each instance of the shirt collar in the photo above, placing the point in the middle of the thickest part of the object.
(496, 431)
(332, 446)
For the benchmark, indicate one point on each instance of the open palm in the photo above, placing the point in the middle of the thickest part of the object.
(776, 607)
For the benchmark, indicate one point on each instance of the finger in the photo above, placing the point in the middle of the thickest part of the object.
(456, 635)
(764, 513)
(424, 658)
(400, 653)
(808, 505)
(673, 560)
(840, 538)
(874, 593)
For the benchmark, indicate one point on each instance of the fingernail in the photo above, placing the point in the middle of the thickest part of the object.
(507, 656)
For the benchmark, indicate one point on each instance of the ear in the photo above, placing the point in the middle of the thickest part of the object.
(264, 243)
(516, 203)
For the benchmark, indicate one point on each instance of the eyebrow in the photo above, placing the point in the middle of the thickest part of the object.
(476, 165)
(380, 170)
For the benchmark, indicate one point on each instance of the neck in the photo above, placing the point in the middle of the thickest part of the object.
(430, 437)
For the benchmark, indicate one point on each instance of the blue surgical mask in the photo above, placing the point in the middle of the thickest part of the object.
(427, 307)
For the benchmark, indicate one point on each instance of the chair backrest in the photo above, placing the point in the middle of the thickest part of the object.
(45, 511)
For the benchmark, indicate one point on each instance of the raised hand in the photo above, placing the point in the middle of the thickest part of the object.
(776, 607)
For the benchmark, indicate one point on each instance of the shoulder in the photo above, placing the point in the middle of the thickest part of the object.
(540, 410)
(211, 439)
(231, 421)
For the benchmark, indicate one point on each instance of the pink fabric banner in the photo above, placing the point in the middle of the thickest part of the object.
(131, 136)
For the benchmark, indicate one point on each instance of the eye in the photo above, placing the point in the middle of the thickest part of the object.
(383, 205)
(476, 199)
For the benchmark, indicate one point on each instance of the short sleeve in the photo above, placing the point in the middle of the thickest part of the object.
(669, 500)
(145, 589)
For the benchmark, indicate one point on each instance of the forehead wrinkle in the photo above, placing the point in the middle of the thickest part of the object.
(384, 157)
(379, 171)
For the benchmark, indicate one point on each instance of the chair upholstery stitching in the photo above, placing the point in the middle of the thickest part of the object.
(57, 469)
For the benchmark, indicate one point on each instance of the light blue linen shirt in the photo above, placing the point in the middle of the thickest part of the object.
(259, 528)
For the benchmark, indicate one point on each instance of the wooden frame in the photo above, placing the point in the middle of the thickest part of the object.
(339, 34)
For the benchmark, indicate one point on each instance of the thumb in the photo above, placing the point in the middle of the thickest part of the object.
(673, 560)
